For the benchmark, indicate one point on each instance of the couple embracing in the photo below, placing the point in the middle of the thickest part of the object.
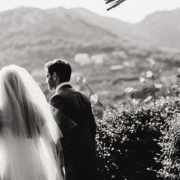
(39, 141)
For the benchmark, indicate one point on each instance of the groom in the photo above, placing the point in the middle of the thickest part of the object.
(79, 130)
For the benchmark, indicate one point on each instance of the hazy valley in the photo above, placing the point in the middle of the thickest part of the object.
(110, 53)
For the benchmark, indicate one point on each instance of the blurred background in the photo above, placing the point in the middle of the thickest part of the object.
(111, 49)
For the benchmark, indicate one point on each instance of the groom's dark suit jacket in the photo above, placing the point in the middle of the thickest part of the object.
(79, 143)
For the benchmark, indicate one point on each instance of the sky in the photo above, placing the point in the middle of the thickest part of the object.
(131, 11)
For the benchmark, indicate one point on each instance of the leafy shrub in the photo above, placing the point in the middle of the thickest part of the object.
(140, 142)
(129, 139)
(170, 144)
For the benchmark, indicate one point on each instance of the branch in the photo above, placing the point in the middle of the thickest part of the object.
(113, 3)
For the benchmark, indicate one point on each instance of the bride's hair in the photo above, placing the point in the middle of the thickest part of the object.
(61, 67)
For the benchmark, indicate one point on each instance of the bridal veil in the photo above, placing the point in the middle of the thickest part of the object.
(28, 133)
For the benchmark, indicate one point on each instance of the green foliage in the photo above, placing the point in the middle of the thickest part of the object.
(129, 139)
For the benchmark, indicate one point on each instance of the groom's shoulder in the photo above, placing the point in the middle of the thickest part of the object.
(82, 95)
(66, 95)
(76, 91)
(55, 99)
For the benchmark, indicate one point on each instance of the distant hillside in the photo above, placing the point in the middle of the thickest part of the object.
(163, 27)
(30, 34)
(30, 37)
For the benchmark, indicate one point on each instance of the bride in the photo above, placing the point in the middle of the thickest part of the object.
(29, 146)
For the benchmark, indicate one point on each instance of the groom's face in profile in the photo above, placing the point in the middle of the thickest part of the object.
(49, 80)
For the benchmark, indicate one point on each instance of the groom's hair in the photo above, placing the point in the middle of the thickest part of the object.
(61, 67)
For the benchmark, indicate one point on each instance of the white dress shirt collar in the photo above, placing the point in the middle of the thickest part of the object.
(62, 84)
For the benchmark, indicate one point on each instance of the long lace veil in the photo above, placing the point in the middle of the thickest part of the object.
(28, 132)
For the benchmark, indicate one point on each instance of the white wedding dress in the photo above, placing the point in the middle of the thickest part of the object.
(29, 146)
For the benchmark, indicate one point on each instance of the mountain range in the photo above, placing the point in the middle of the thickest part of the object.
(29, 34)
(30, 37)
(163, 27)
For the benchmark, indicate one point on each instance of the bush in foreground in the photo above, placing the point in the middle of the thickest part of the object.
(170, 144)
(129, 140)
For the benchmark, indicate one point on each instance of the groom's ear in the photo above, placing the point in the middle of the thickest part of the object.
(54, 76)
